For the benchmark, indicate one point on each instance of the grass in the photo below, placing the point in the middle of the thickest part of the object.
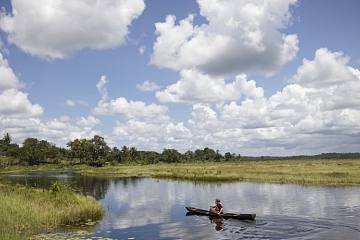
(305, 172)
(26, 211)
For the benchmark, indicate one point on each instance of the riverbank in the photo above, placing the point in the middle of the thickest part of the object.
(306, 172)
(25, 211)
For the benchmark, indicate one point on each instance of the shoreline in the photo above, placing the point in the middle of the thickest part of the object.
(321, 172)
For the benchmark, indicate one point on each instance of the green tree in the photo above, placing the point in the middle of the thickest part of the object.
(31, 152)
(170, 156)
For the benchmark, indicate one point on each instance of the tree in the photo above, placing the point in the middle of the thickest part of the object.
(125, 154)
(114, 155)
(30, 152)
(6, 139)
(90, 151)
(134, 154)
(99, 151)
(7, 148)
(170, 155)
(228, 156)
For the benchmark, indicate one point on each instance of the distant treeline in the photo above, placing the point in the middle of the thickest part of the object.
(96, 152)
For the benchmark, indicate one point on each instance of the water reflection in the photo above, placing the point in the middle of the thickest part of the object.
(145, 208)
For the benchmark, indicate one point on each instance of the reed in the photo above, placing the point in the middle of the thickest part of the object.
(25, 211)
(324, 172)
(305, 172)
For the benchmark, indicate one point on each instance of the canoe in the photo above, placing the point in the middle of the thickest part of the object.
(197, 211)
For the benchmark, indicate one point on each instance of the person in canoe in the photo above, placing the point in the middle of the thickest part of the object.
(217, 208)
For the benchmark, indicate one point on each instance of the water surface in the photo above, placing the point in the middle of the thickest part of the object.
(146, 208)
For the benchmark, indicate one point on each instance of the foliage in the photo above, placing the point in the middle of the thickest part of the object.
(95, 152)
(60, 187)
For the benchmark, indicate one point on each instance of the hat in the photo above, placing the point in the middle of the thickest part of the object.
(217, 200)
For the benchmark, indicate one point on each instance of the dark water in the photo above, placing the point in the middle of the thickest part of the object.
(145, 208)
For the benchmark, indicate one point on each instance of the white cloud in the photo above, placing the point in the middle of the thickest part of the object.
(74, 103)
(195, 86)
(89, 121)
(63, 27)
(142, 50)
(57, 130)
(240, 36)
(21, 118)
(101, 86)
(307, 116)
(130, 109)
(16, 103)
(154, 136)
(314, 115)
(148, 86)
(8, 78)
(326, 70)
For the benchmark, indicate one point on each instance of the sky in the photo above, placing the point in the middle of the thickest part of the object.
(279, 77)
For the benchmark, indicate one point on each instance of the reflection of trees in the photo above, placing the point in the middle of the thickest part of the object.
(87, 185)
(127, 182)
(92, 186)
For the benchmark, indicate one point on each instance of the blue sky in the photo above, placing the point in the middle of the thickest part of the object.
(222, 119)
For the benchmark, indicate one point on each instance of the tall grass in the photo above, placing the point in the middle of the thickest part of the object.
(325, 172)
(25, 211)
(307, 172)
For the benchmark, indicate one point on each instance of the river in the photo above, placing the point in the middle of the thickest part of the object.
(146, 208)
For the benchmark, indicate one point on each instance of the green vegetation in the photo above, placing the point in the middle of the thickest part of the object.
(95, 157)
(25, 211)
(96, 153)
(322, 172)
(306, 172)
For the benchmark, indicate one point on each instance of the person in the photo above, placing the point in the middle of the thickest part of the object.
(217, 208)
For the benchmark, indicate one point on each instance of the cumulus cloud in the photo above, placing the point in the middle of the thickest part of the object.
(318, 111)
(148, 86)
(240, 36)
(194, 87)
(325, 70)
(8, 78)
(57, 130)
(89, 121)
(22, 119)
(130, 109)
(319, 114)
(14, 102)
(154, 136)
(56, 29)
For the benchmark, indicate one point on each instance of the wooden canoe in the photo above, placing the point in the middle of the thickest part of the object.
(197, 211)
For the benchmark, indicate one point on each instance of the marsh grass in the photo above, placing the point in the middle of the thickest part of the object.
(25, 211)
(323, 172)
(305, 172)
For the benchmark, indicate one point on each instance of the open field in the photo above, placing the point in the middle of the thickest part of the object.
(306, 172)
(25, 211)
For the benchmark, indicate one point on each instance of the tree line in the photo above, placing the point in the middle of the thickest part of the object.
(96, 152)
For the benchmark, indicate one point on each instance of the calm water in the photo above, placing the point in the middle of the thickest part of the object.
(145, 208)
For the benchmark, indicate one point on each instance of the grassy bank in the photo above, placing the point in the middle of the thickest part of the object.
(25, 211)
(306, 172)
